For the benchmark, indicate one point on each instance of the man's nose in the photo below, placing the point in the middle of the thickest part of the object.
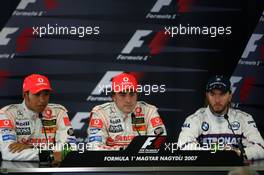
(127, 98)
(217, 98)
(42, 98)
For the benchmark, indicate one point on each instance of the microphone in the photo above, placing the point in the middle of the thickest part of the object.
(243, 155)
(133, 116)
(50, 155)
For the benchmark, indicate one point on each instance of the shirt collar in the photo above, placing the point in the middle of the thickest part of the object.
(210, 114)
(30, 113)
(119, 112)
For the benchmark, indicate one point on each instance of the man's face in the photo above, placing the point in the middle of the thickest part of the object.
(37, 102)
(125, 101)
(218, 101)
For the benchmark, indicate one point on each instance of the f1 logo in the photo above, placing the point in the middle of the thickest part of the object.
(148, 142)
(159, 4)
(24, 3)
(135, 41)
(5, 32)
(105, 82)
(251, 46)
(78, 121)
(234, 80)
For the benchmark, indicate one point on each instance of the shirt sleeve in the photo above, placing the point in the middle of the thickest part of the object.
(98, 133)
(253, 141)
(64, 132)
(189, 134)
(155, 124)
(8, 136)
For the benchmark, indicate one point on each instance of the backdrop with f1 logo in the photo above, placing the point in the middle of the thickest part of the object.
(80, 45)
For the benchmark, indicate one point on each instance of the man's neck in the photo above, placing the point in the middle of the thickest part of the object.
(221, 114)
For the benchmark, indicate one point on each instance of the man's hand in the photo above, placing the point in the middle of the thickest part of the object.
(57, 159)
(57, 156)
(18, 147)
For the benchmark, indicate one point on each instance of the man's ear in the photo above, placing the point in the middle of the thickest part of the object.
(230, 97)
(25, 94)
(114, 97)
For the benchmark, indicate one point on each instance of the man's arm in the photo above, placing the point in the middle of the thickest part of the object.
(190, 131)
(254, 142)
(11, 150)
(155, 125)
(98, 133)
(64, 132)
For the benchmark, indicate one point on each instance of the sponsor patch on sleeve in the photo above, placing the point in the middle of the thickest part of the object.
(71, 140)
(139, 128)
(70, 132)
(96, 123)
(66, 121)
(5, 124)
(186, 125)
(94, 130)
(156, 122)
(9, 137)
(95, 139)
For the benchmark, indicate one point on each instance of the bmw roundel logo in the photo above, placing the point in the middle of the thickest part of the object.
(205, 126)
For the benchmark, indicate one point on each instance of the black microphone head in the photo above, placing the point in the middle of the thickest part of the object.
(40, 115)
(226, 116)
(133, 115)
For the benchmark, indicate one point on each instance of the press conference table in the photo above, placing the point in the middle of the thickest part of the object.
(138, 159)
(78, 163)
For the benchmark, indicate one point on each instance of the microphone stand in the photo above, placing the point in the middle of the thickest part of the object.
(50, 155)
(134, 118)
(243, 155)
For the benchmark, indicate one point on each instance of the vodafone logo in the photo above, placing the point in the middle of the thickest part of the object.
(6, 122)
(125, 79)
(40, 80)
(156, 122)
(48, 113)
(97, 123)
(138, 110)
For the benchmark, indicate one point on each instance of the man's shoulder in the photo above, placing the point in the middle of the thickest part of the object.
(104, 106)
(56, 107)
(239, 113)
(146, 105)
(197, 114)
(9, 108)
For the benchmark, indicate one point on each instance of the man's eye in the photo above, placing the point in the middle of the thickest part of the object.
(212, 94)
(123, 94)
(132, 94)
